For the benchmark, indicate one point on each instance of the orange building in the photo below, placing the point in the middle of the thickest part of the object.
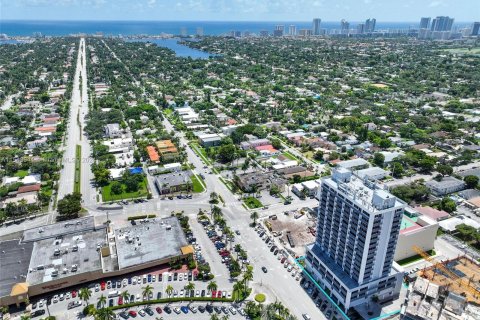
(153, 154)
(167, 149)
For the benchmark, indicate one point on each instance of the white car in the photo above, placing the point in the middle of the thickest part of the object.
(55, 299)
(154, 278)
(176, 310)
(62, 297)
(138, 297)
(142, 312)
(182, 293)
(289, 268)
(232, 310)
(193, 309)
(125, 282)
(97, 287)
(134, 280)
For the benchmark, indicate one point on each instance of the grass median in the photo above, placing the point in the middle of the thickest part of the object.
(78, 168)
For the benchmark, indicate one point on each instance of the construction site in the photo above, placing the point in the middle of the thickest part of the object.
(295, 229)
(460, 275)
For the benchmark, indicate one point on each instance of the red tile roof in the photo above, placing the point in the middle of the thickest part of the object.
(153, 154)
(33, 187)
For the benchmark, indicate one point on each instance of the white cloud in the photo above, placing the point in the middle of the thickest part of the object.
(434, 4)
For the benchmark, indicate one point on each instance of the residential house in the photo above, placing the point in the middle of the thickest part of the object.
(445, 186)
(112, 130)
(306, 188)
(36, 143)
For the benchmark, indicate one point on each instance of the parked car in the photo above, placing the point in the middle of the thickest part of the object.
(132, 313)
(149, 311)
(37, 313)
(159, 310)
(264, 269)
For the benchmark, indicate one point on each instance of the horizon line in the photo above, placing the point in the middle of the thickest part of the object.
(125, 20)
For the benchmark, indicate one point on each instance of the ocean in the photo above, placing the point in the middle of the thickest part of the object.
(115, 28)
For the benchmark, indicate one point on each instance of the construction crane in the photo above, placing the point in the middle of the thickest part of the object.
(454, 278)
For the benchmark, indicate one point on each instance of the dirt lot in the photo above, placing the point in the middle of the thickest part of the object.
(298, 230)
(466, 273)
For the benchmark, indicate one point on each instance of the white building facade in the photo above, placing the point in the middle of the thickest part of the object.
(357, 232)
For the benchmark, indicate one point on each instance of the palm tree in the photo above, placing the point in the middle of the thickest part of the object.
(225, 317)
(216, 212)
(190, 286)
(85, 294)
(251, 308)
(104, 314)
(147, 291)
(254, 217)
(169, 290)
(125, 295)
(247, 276)
(237, 288)
(24, 317)
(212, 286)
(102, 301)
(214, 317)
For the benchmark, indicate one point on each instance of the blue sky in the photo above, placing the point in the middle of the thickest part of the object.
(236, 10)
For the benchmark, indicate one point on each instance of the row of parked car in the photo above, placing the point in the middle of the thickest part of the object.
(281, 255)
(218, 242)
(182, 309)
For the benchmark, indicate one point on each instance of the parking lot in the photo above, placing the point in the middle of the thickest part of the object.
(125, 290)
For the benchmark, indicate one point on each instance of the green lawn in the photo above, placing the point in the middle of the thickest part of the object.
(252, 203)
(414, 258)
(197, 185)
(108, 196)
(21, 174)
(78, 163)
(200, 152)
(288, 155)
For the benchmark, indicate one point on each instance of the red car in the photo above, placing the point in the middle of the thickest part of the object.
(132, 313)
(214, 294)
(74, 294)
(219, 294)
(159, 310)
(102, 285)
(120, 301)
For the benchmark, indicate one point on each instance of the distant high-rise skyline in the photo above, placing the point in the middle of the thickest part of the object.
(316, 26)
(370, 25)
(442, 23)
(292, 30)
(475, 29)
(425, 22)
(344, 26)
(361, 28)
